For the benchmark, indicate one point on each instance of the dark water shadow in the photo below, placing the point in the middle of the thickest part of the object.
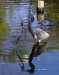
(37, 49)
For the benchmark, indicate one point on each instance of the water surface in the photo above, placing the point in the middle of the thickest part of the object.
(10, 30)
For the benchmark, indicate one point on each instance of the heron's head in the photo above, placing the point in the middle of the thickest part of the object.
(31, 17)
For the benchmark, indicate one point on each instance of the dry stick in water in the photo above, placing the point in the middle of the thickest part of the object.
(22, 24)
(19, 38)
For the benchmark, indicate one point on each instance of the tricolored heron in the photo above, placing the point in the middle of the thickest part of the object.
(37, 33)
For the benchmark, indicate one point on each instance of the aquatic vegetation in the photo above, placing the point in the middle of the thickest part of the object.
(3, 25)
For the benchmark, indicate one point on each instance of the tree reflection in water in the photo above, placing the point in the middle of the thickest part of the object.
(37, 49)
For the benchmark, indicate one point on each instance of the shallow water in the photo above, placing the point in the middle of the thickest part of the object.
(47, 62)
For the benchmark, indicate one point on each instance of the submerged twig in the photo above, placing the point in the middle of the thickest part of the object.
(22, 25)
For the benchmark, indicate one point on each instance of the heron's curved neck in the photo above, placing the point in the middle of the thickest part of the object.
(29, 27)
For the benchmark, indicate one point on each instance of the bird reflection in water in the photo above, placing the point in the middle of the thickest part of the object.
(37, 49)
